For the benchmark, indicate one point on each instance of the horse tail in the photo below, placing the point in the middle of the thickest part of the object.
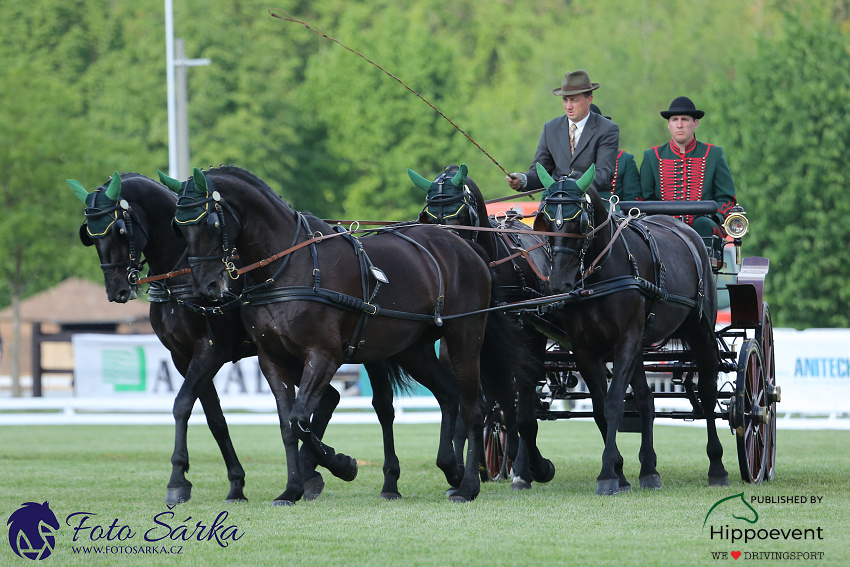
(402, 383)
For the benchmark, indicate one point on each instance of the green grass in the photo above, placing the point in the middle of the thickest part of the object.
(121, 472)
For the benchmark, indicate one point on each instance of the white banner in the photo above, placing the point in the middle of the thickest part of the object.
(813, 370)
(127, 365)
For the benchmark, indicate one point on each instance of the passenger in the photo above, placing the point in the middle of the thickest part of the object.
(688, 170)
(626, 183)
(570, 144)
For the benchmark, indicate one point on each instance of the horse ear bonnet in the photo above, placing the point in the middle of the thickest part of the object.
(101, 211)
(193, 206)
(445, 197)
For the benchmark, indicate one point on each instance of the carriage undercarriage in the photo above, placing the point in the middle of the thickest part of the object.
(746, 397)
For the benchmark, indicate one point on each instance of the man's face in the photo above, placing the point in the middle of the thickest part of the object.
(682, 128)
(577, 106)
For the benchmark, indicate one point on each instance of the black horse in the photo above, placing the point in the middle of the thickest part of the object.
(521, 266)
(327, 298)
(128, 221)
(647, 280)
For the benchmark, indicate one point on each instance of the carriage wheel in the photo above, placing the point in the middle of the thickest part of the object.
(765, 335)
(750, 417)
(494, 446)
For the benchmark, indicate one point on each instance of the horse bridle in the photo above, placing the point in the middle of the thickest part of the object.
(215, 223)
(124, 225)
(585, 214)
(441, 200)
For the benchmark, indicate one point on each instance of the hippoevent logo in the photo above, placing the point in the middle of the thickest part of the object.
(33, 526)
(734, 519)
(31, 529)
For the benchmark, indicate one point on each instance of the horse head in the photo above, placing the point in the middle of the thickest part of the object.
(566, 208)
(114, 228)
(200, 219)
(449, 198)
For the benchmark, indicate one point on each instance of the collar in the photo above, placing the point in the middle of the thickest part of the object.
(580, 124)
(688, 148)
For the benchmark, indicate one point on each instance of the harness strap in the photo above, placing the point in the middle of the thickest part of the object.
(524, 252)
(328, 297)
(595, 264)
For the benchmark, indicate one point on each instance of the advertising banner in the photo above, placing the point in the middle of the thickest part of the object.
(813, 370)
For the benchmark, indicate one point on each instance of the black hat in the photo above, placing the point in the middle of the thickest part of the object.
(594, 108)
(682, 106)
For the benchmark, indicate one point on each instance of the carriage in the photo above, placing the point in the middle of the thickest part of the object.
(747, 395)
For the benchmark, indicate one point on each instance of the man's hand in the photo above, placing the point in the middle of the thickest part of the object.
(517, 181)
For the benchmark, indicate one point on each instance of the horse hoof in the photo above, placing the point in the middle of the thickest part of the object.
(313, 487)
(392, 495)
(608, 487)
(236, 500)
(547, 474)
(651, 481)
(456, 498)
(283, 503)
(722, 480)
(178, 495)
(236, 495)
(345, 469)
(519, 484)
(451, 492)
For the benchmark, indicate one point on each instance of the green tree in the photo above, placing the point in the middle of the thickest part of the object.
(785, 116)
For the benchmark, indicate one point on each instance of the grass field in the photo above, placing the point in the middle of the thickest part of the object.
(119, 475)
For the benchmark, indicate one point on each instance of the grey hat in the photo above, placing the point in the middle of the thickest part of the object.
(575, 82)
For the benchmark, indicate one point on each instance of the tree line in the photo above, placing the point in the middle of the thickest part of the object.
(84, 95)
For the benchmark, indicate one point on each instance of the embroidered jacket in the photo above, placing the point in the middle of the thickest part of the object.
(626, 183)
(701, 173)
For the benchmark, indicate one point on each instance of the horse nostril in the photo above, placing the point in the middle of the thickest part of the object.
(212, 290)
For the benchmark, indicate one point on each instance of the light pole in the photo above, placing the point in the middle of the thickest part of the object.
(178, 116)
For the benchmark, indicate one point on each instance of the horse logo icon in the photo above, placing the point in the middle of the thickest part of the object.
(746, 511)
(31, 529)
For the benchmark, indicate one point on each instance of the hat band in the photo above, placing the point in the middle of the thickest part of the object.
(576, 87)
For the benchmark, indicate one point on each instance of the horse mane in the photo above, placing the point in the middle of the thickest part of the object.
(251, 179)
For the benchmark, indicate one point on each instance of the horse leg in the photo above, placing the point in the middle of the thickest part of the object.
(317, 373)
(382, 402)
(464, 344)
(532, 464)
(179, 488)
(420, 362)
(627, 357)
(218, 427)
(593, 372)
(313, 482)
(707, 385)
(282, 380)
(529, 464)
(649, 477)
(459, 437)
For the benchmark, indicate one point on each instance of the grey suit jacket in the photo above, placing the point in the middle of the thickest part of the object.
(599, 143)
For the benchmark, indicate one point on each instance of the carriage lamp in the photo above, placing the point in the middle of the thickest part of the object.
(736, 224)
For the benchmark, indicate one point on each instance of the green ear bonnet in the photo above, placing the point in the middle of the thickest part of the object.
(447, 195)
(562, 200)
(102, 206)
